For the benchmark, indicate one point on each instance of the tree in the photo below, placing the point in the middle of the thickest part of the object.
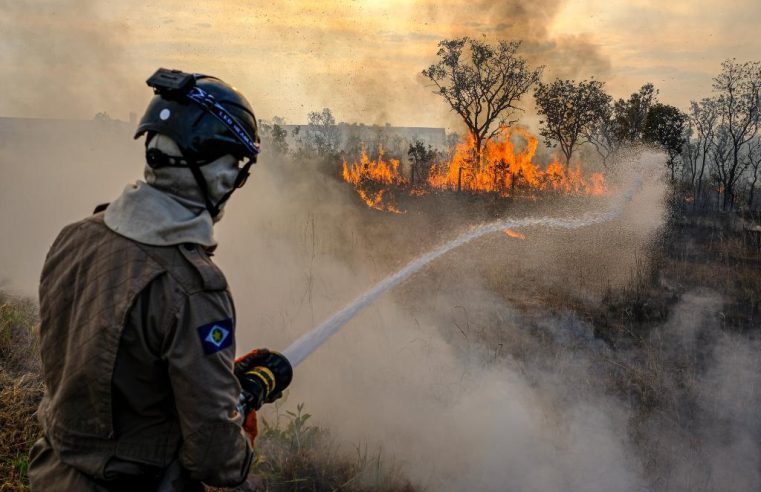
(754, 161)
(725, 173)
(421, 158)
(690, 159)
(665, 127)
(622, 122)
(279, 142)
(603, 135)
(323, 132)
(738, 88)
(482, 83)
(631, 114)
(570, 111)
(704, 117)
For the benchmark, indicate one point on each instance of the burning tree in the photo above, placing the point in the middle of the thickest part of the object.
(570, 112)
(482, 83)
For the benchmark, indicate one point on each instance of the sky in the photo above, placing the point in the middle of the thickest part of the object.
(362, 59)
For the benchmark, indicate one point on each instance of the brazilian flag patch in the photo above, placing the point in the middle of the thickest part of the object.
(216, 336)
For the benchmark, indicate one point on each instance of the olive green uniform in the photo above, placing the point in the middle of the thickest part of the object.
(137, 346)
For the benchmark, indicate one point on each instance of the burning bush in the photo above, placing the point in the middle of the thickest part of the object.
(498, 168)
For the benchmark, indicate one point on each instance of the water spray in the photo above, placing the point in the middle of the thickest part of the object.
(301, 348)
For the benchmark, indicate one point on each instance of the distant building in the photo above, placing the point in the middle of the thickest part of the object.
(393, 138)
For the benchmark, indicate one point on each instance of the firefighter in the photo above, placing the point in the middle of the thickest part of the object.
(137, 325)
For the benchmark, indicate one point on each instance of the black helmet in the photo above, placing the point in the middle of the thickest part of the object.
(200, 134)
(207, 119)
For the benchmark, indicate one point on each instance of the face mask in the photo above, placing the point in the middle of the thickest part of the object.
(220, 175)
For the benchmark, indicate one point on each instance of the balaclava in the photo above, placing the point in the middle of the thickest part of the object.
(168, 208)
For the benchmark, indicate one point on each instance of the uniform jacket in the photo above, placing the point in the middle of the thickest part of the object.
(137, 346)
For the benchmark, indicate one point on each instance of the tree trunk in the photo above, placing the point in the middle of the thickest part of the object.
(700, 182)
(568, 153)
(728, 197)
(750, 196)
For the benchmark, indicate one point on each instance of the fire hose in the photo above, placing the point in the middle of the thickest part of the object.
(281, 365)
(265, 374)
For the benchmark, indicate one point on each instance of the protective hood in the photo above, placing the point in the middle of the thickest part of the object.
(168, 208)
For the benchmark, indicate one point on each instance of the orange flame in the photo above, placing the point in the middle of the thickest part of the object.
(366, 173)
(500, 169)
(503, 170)
(515, 234)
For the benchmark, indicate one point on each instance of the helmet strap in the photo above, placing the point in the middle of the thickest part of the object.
(195, 168)
(157, 159)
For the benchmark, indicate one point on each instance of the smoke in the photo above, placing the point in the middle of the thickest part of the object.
(565, 56)
(428, 372)
(64, 59)
(467, 374)
(472, 374)
(72, 58)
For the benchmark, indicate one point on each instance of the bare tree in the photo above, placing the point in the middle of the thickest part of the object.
(570, 111)
(738, 88)
(754, 166)
(482, 83)
(690, 157)
(603, 135)
(704, 117)
(725, 172)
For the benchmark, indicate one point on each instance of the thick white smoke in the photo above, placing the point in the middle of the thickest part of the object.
(464, 374)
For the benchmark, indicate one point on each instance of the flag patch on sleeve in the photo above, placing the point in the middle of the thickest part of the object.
(216, 336)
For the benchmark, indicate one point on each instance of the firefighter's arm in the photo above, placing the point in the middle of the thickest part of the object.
(200, 353)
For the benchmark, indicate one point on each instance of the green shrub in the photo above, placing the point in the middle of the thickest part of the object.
(294, 455)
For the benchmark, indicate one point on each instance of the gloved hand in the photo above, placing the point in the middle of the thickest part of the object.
(263, 376)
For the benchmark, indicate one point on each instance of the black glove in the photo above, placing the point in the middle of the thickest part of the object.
(263, 376)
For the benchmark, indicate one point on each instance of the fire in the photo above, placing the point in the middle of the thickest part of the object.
(501, 169)
(367, 174)
(515, 234)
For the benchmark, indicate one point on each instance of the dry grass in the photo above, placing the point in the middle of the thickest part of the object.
(292, 454)
(20, 390)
